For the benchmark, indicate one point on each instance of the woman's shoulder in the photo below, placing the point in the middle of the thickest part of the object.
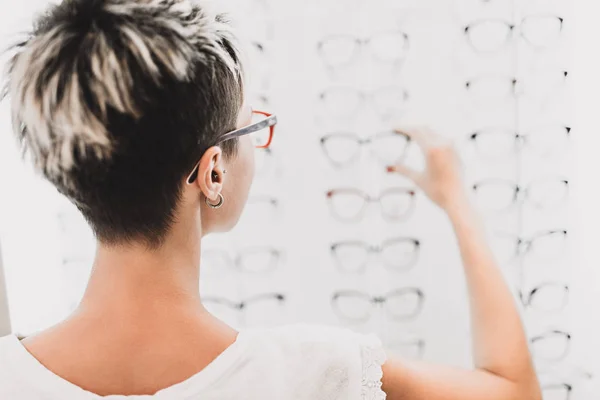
(324, 358)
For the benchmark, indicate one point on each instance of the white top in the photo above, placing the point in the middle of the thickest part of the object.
(293, 362)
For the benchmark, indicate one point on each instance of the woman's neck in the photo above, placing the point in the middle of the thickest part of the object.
(132, 277)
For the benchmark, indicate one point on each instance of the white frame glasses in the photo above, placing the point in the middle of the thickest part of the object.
(409, 294)
(503, 194)
(354, 45)
(558, 291)
(395, 196)
(369, 251)
(353, 144)
(502, 32)
(236, 261)
(346, 101)
(553, 334)
(502, 142)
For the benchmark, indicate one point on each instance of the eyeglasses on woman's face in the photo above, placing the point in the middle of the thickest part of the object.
(261, 130)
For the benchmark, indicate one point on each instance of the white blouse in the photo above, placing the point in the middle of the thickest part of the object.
(290, 362)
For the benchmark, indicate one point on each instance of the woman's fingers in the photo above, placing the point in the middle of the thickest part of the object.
(404, 170)
(422, 136)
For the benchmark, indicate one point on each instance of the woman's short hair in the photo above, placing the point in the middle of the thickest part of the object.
(116, 100)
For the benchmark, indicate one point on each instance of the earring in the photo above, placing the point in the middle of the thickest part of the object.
(218, 205)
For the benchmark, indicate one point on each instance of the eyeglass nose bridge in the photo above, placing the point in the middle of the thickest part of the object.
(520, 141)
(525, 300)
(374, 249)
(523, 246)
(520, 193)
(518, 87)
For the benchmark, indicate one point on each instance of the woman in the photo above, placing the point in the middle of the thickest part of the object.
(134, 110)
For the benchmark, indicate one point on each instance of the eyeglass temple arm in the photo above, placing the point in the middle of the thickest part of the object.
(266, 123)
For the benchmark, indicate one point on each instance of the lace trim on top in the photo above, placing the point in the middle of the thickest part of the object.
(373, 357)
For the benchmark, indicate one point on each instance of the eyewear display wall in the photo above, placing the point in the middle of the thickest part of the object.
(328, 236)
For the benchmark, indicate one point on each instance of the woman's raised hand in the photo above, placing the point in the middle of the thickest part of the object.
(441, 180)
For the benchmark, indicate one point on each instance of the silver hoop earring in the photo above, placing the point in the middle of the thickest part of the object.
(218, 205)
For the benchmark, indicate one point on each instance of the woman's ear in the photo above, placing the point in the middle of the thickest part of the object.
(210, 174)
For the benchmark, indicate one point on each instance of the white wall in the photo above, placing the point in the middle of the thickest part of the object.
(4, 312)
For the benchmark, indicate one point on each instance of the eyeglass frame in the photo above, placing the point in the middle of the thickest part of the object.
(243, 304)
(268, 122)
(235, 261)
(553, 386)
(360, 141)
(378, 301)
(377, 249)
(363, 96)
(514, 81)
(523, 244)
(360, 42)
(420, 344)
(520, 192)
(521, 140)
(549, 334)
(511, 30)
(368, 199)
(526, 296)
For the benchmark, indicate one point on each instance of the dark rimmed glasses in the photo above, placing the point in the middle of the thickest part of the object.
(262, 130)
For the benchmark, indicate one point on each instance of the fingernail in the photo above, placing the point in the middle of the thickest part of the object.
(390, 168)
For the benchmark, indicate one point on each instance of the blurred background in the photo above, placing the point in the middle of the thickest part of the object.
(328, 236)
